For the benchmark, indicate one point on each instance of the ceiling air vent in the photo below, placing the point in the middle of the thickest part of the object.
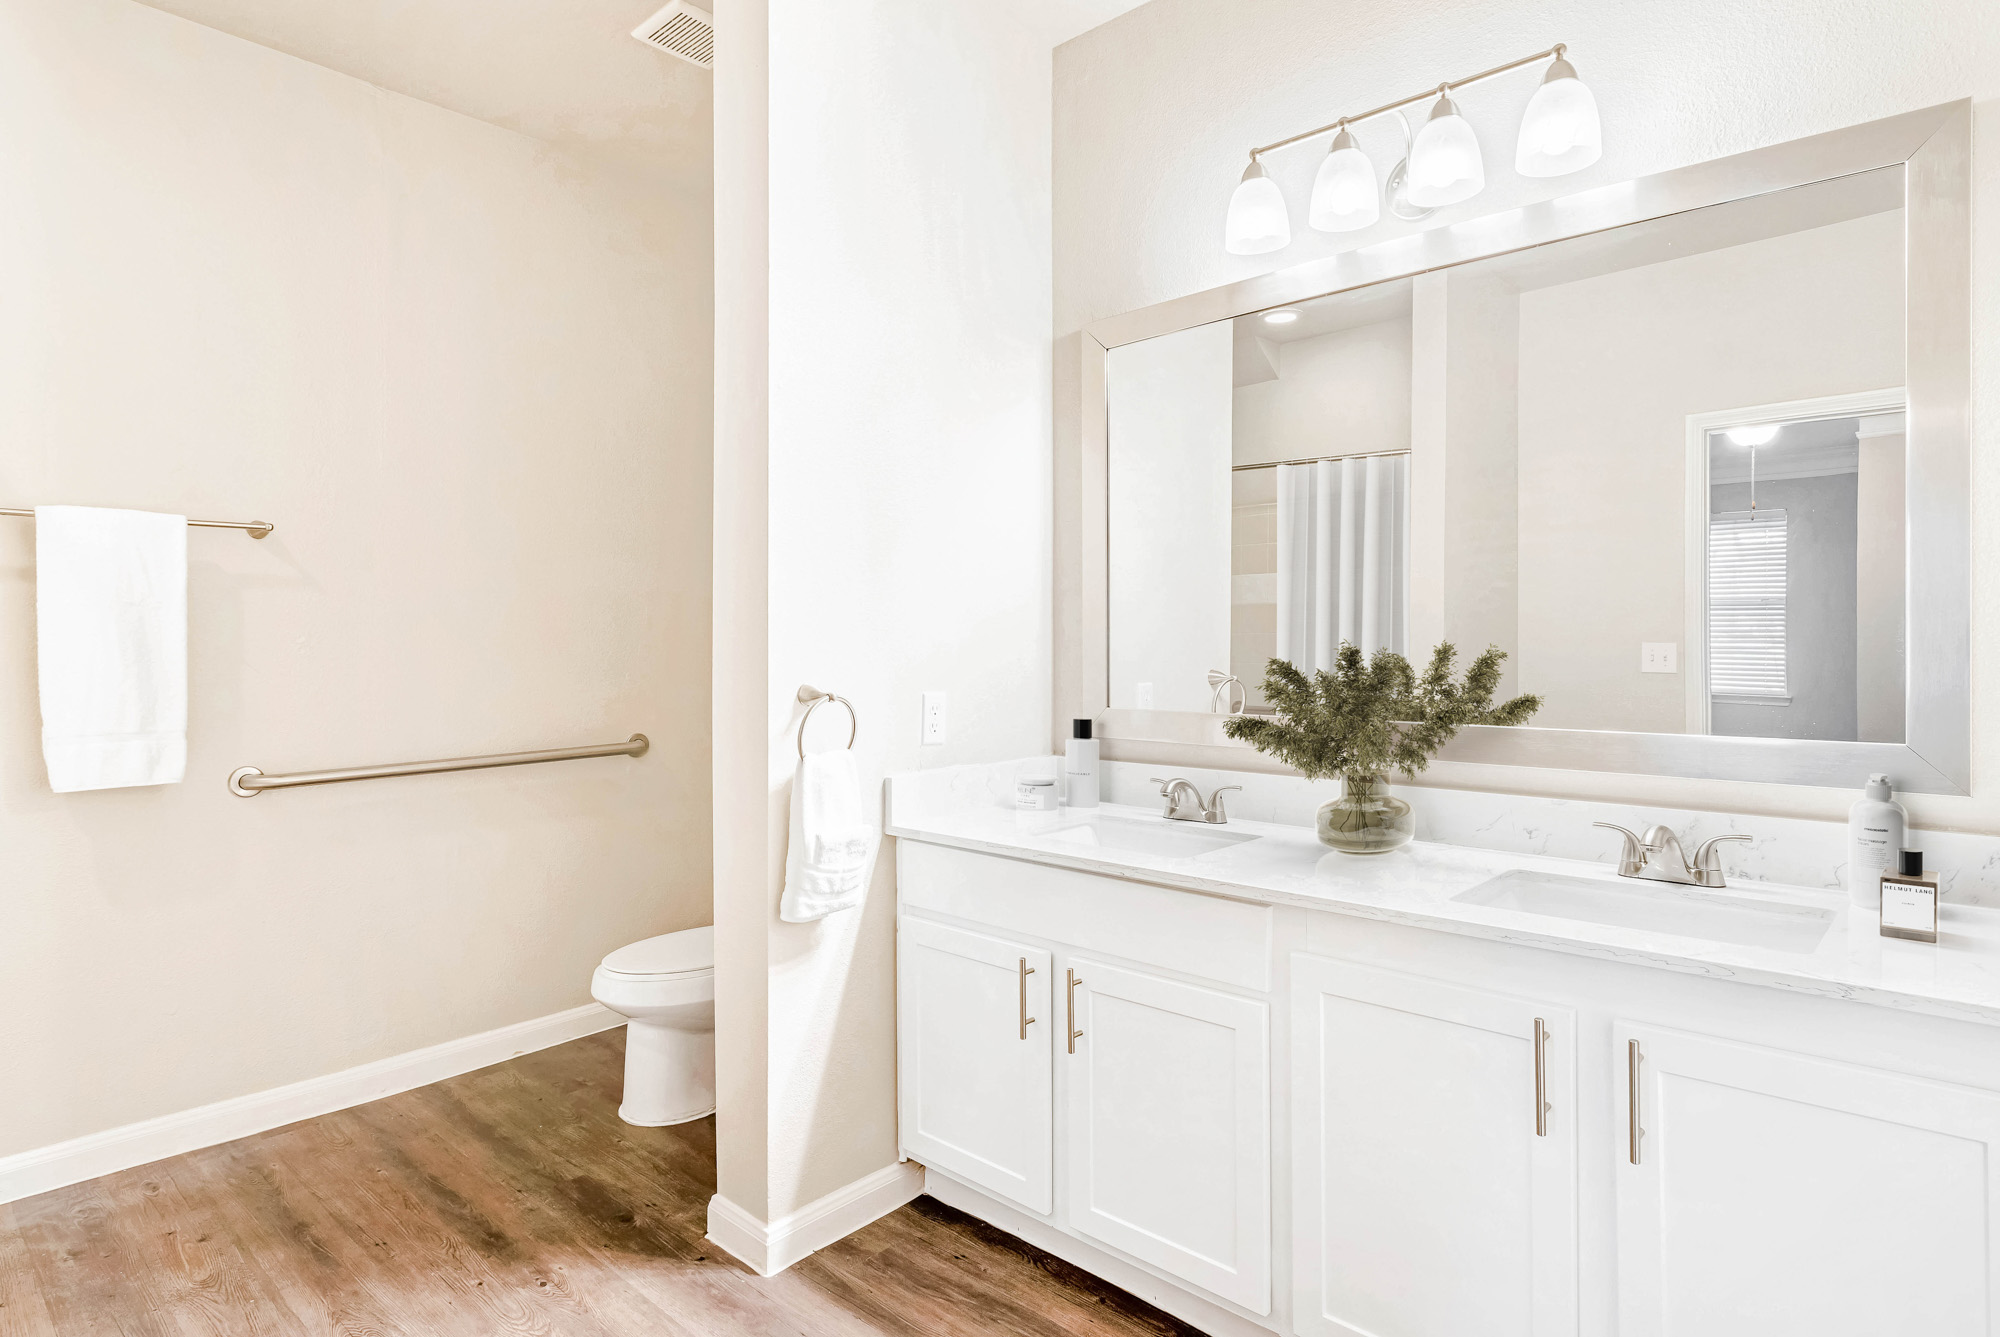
(681, 30)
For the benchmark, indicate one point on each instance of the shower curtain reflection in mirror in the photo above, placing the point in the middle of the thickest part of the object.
(1343, 564)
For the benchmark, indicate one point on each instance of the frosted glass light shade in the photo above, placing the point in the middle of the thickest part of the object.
(1257, 220)
(1560, 132)
(1445, 166)
(1344, 196)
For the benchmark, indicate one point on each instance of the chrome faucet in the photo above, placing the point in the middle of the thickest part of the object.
(1657, 856)
(1184, 801)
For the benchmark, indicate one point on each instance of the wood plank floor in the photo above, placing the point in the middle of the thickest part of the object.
(509, 1200)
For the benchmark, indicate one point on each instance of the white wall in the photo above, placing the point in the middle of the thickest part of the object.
(468, 382)
(1611, 368)
(1341, 393)
(1464, 386)
(882, 501)
(1170, 401)
(1154, 111)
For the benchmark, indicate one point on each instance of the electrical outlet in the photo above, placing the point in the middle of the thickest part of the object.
(1142, 696)
(1659, 657)
(933, 719)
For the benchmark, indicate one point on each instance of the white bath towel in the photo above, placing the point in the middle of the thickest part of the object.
(832, 839)
(111, 640)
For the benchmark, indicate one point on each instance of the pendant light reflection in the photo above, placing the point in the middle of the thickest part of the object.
(1560, 132)
(1445, 166)
(1345, 197)
(1257, 219)
(1759, 434)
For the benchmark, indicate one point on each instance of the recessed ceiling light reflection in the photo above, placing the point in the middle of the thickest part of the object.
(1280, 317)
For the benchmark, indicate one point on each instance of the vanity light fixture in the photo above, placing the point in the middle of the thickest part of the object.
(1345, 197)
(1445, 166)
(1257, 218)
(1282, 316)
(1560, 133)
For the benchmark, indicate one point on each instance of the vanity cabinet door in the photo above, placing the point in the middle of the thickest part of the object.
(974, 1056)
(1431, 1201)
(1780, 1195)
(1167, 1133)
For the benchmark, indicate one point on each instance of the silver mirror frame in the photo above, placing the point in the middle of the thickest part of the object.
(1933, 145)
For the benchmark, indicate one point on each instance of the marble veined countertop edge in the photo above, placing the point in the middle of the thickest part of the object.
(1958, 977)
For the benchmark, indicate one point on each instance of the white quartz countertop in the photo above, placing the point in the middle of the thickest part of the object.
(1958, 976)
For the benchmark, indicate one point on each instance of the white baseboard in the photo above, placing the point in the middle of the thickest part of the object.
(30, 1172)
(1218, 1318)
(769, 1249)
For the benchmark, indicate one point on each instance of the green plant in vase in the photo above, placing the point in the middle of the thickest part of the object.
(1361, 719)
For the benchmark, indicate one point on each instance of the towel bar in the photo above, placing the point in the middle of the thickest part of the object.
(255, 528)
(248, 781)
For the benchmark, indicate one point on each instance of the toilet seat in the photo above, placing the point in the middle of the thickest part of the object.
(669, 956)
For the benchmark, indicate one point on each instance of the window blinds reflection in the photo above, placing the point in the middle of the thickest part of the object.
(1746, 605)
(1343, 558)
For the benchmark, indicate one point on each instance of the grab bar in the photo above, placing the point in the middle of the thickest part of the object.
(248, 781)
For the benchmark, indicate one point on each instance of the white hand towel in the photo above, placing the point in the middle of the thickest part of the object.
(832, 839)
(111, 633)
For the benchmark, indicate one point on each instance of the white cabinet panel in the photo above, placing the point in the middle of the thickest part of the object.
(974, 1034)
(1210, 937)
(1168, 1127)
(1778, 1195)
(1427, 1203)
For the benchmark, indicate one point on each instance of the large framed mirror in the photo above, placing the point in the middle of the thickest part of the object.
(1693, 450)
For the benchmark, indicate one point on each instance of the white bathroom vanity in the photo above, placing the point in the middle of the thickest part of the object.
(1445, 1090)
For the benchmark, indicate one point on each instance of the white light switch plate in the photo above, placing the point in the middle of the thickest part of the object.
(1659, 657)
(933, 718)
(1142, 696)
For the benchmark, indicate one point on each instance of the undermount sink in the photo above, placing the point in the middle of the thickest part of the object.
(1657, 907)
(1169, 840)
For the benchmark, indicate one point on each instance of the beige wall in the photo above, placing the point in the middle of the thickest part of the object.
(468, 382)
(1611, 369)
(1154, 111)
(1341, 393)
(882, 504)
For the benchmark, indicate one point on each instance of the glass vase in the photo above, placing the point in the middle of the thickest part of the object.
(1366, 818)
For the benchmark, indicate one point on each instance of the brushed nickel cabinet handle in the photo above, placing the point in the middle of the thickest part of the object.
(1541, 1079)
(1634, 1132)
(1070, 1002)
(1026, 1020)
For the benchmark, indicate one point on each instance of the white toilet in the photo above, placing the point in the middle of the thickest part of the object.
(665, 986)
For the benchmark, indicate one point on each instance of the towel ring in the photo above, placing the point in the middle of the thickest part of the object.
(817, 698)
